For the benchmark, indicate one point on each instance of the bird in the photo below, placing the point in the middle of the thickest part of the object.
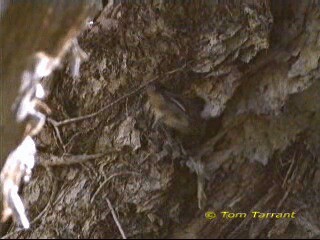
(175, 111)
(184, 116)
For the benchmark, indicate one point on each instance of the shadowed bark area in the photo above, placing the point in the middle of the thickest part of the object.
(105, 167)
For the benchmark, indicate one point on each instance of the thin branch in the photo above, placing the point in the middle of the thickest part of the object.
(51, 160)
(116, 219)
(261, 202)
(107, 180)
(284, 198)
(81, 118)
(289, 171)
(55, 125)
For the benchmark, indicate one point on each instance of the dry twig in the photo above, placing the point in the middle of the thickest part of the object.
(116, 219)
(107, 180)
(51, 160)
(133, 92)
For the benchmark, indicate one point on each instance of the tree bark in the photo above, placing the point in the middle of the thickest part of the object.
(255, 63)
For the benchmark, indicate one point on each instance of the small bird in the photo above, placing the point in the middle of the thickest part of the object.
(176, 112)
(184, 116)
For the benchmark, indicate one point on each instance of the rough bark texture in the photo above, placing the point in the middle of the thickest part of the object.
(256, 65)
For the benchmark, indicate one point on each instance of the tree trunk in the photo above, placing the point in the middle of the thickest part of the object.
(255, 64)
